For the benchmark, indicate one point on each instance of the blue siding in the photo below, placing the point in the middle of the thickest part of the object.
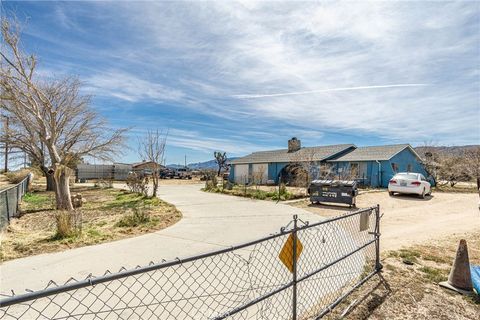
(378, 174)
(372, 171)
(274, 169)
(402, 160)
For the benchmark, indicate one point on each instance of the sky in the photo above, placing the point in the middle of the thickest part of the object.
(246, 76)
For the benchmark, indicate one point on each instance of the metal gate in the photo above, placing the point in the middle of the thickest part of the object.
(302, 272)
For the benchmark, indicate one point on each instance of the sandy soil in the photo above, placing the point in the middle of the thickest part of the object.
(408, 220)
(411, 291)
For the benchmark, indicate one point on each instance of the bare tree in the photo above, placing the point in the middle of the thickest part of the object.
(472, 159)
(326, 171)
(221, 160)
(305, 165)
(431, 158)
(53, 112)
(28, 141)
(152, 148)
(258, 176)
(453, 169)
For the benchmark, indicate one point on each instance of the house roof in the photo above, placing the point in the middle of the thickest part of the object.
(374, 153)
(136, 164)
(304, 154)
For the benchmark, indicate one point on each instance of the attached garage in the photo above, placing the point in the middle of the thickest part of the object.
(241, 173)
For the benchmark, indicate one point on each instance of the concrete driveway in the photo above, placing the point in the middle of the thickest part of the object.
(210, 221)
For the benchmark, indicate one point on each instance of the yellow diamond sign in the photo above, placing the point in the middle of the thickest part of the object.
(286, 254)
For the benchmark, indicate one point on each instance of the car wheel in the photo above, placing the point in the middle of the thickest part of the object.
(423, 194)
(391, 193)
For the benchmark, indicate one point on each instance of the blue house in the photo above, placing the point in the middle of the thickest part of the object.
(373, 166)
(270, 166)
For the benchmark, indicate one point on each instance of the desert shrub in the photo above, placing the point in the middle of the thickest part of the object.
(136, 218)
(282, 189)
(137, 183)
(68, 224)
(260, 195)
(103, 184)
(282, 193)
(15, 177)
(211, 181)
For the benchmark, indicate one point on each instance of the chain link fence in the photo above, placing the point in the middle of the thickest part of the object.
(9, 200)
(302, 272)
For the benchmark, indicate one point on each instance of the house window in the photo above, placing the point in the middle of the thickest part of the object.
(394, 167)
(326, 170)
(409, 167)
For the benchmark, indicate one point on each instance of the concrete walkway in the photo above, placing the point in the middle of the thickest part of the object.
(210, 221)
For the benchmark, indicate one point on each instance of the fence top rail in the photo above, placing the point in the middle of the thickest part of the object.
(338, 218)
(16, 185)
(91, 280)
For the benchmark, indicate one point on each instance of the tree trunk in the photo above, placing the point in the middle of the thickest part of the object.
(219, 170)
(62, 187)
(155, 184)
(50, 179)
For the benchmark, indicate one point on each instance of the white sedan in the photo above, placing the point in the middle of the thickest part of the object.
(409, 183)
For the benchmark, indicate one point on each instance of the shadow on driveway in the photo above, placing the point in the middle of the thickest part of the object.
(411, 197)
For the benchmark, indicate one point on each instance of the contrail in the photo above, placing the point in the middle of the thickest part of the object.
(255, 96)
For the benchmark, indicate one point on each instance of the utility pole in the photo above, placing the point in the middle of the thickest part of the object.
(185, 161)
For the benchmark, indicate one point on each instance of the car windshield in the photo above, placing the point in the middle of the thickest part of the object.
(409, 176)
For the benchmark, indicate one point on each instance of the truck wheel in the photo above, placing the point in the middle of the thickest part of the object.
(391, 193)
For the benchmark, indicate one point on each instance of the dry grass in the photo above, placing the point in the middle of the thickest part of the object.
(461, 187)
(107, 215)
(258, 192)
(411, 291)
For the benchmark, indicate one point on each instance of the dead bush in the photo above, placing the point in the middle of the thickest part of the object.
(15, 177)
(103, 184)
(137, 183)
(68, 223)
(211, 182)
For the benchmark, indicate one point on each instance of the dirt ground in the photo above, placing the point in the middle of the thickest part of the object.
(4, 183)
(106, 215)
(409, 220)
(408, 286)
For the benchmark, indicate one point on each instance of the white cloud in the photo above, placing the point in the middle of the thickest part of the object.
(130, 88)
(255, 96)
(278, 51)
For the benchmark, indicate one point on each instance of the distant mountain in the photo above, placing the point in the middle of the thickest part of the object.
(454, 150)
(211, 164)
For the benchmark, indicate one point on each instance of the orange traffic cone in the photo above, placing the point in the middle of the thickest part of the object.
(460, 279)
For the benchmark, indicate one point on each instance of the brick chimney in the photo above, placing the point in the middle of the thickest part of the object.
(294, 145)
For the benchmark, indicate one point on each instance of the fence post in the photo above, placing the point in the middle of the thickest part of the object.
(18, 197)
(294, 262)
(378, 265)
(8, 209)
